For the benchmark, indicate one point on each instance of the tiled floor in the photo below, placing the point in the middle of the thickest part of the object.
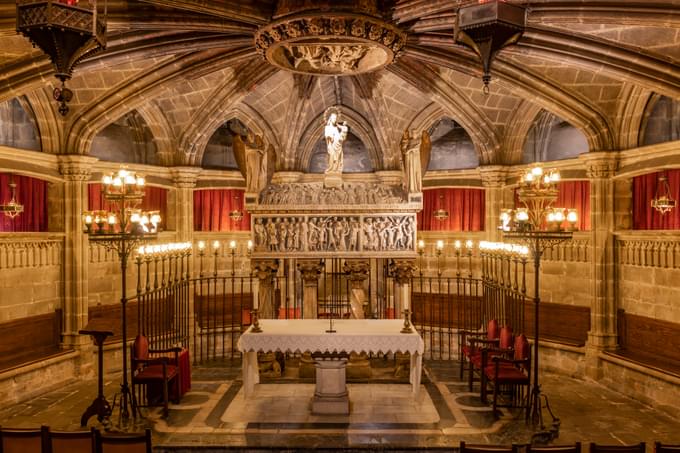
(383, 413)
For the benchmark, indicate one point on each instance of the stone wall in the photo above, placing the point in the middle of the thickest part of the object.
(31, 275)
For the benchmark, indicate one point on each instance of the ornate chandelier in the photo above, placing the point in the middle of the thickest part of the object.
(236, 214)
(487, 27)
(12, 208)
(441, 214)
(538, 191)
(67, 31)
(663, 201)
(329, 37)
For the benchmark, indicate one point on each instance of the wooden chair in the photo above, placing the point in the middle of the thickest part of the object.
(468, 349)
(666, 448)
(503, 346)
(635, 448)
(515, 371)
(162, 371)
(123, 443)
(23, 440)
(71, 441)
(482, 448)
(575, 448)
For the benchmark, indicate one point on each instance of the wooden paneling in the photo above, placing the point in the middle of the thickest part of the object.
(650, 341)
(445, 310)
(217, 311)
(113, 312)
(29, 339)
(568, 324)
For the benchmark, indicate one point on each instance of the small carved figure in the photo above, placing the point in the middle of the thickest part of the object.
(335, 134)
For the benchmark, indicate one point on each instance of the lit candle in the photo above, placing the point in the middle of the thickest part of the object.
(140, 181)
(216, 244)
(87, 218)
(468, 244)
(457, 245)
(140, 250)
(107, 180)
(250, 244)
(440, 245)
(572, 216)
(232, 245)
(111, 219)
(201, 245)
(421, 244)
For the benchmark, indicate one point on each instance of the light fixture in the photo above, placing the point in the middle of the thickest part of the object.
(12, 208)
(236, 215)
(67, 31)
(487, 27)
(663, 201)
(441, 214)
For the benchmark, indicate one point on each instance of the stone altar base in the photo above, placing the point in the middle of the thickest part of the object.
(330, 395)
(332, 180)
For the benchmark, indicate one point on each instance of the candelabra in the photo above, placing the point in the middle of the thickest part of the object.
(121, 229)
(539, 226)
(440, 249)
(421, 252)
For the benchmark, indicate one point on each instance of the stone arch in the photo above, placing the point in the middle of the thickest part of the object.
(163, 137)
(128, 133)
(551, 138)
(48, 121)
(18, 127)
(358, 125)
(661, 121)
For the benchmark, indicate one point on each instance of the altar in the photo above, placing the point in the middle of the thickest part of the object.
(309, 335)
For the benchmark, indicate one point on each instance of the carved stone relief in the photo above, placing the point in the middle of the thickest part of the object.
(314, 193)
(334, 233)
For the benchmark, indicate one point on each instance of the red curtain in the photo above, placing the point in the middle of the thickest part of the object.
(644, 190)
(466, 210)
(155, 199)
(30, 192)
(572, 195)
(212, 208)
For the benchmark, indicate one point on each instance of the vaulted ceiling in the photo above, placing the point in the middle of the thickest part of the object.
(186, 67)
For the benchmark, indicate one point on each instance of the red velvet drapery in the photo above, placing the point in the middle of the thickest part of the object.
(466, 210)
(155, 199)
(30, 192)
(572, 195)
(212, 208)
(644, 189)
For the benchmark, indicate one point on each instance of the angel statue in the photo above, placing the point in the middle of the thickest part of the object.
(335, 133)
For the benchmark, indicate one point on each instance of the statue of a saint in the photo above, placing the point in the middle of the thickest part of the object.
(335, 133)
(255, 157)
(410, 150)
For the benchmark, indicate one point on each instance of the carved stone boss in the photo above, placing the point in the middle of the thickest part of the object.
(328, 235)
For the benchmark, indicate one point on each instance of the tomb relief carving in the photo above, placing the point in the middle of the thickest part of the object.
(313, 193)
(334, 233)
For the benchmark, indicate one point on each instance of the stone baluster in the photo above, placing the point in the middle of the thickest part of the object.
(601, 167)
(310, 271)
(265, 271)
(358, 271)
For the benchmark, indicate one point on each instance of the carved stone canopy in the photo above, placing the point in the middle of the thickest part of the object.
(329, 38)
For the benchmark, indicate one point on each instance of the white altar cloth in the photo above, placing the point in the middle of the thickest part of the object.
(309, 335)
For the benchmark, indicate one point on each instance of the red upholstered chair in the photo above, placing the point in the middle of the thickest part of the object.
(515, 371)
(503, 346)
(71, 441)
(483, 448)
(20, 440)
(468, 349)
(124, 443)
(666, 448)
(148, 371)
(635, 448)
(574, 448)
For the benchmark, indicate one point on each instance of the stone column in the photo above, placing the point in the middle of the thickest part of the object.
(493, 180)
(265, 271)
(76, 170)
(185, 181)
(310, 270)
(358, 271)
(402, 272)
(601, 167)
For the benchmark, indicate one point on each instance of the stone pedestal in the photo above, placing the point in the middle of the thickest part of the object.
(310, 271)
(330, 395)
(332, 180)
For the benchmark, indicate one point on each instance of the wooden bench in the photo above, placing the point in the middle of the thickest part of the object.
(32, 339)
(559, 323)
(446, 310)
(649, 342)
(219, 311)
(113, 313)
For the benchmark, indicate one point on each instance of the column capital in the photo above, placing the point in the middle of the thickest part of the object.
(310, 270)
(493, 176)
(358, 270)
(76, 167)
(185, 177)
(600, 165)
(265, 269)
(402, 271)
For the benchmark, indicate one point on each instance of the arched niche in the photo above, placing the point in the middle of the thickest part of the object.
(17, 126)
(661, 121)
(219, 152)
(551, 138)
(452, 147)
(355, 156)
(127, 140)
